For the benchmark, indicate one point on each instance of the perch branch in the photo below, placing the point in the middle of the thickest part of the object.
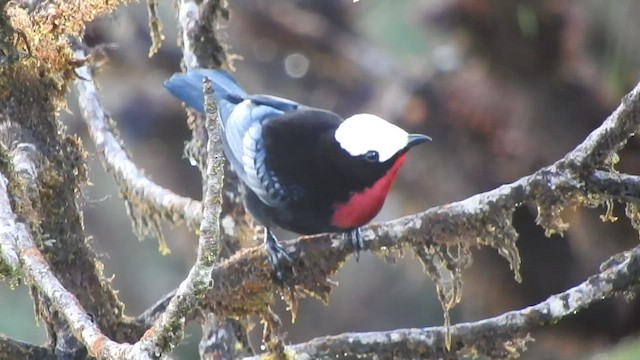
(490, 337)
(116, 161)
(619, 186)
(245, 277)
(242, 285)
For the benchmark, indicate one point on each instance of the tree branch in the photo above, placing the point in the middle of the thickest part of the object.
(484, 219)
(46, 171)
(198, 22)
(37, 273)
(618, 186)
(167, 331)
(16, 349)
(142, 193)
(498, 337)
(242, 284)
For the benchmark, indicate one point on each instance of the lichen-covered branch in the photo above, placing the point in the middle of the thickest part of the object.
(37, 272)
(243, 284)
(147, 200)
(46, 200)
(16, 349)
(499, 337)
(245, 278)
(168, 329)
(616, 185)
(198, 22)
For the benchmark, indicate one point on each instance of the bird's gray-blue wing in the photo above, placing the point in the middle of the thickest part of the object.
(244, 145)
(188, 88)
(275, 102)
(242, 117)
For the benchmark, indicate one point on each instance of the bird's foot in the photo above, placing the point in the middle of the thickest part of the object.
(355, 236)
(277, 255)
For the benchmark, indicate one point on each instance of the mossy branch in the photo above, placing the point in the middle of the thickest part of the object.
(500, 337)
(198, 22)
(168, 329)
(145, 197)
(243, 284)
(36, 272)
(16, 349)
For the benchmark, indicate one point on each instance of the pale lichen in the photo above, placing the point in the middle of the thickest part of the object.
(633, 213)
(500, 234)
(155, 27)
(444, 265)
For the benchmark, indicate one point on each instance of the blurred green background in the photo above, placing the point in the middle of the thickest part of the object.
(503, 86)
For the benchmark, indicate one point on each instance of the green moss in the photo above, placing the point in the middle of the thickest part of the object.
(11, 276)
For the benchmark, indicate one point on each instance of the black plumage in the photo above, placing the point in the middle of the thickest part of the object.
(297, 175)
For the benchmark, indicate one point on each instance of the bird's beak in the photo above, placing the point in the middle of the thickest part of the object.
(415, 139)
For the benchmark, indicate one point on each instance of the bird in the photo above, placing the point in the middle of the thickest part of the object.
(302, 169)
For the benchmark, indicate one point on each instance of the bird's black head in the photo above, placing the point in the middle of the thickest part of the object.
(371, 146)
(368, 152)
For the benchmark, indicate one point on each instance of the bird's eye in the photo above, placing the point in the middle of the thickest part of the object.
(371, 156)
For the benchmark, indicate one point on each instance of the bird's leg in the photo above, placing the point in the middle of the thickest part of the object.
(355, 235)
(276, 254)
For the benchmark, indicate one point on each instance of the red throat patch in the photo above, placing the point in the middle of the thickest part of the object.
(363, 206)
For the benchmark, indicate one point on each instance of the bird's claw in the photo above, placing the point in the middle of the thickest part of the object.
(355, 235)
(277, 255)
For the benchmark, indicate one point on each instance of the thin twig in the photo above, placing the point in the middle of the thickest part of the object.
(115, 159)
(198, 22)
(168, 329)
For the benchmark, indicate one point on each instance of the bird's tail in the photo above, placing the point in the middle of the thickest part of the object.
(188, 88)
